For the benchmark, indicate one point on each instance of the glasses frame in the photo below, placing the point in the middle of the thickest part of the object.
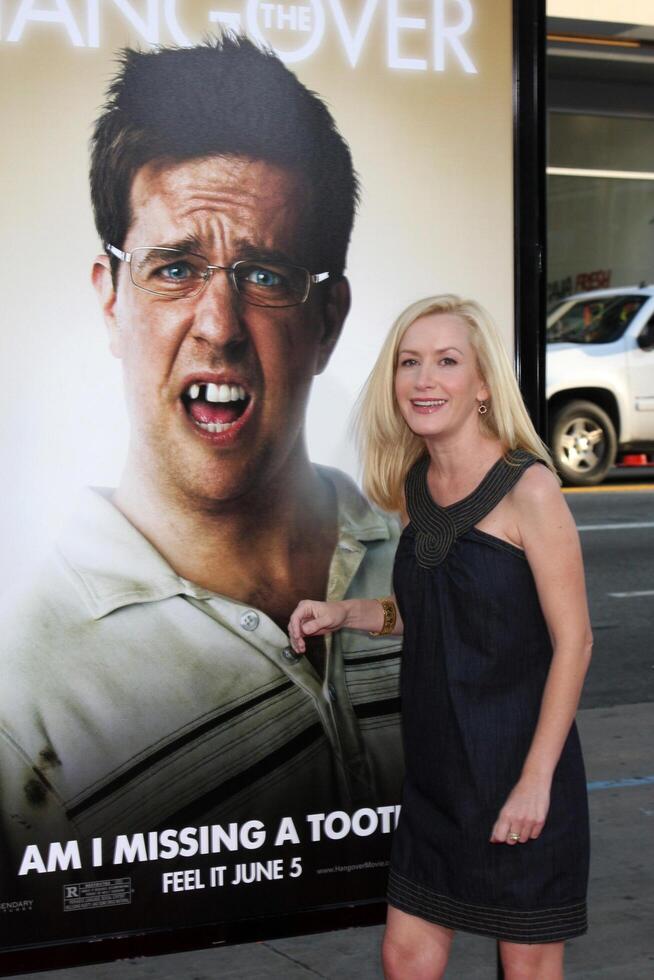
(311, 277)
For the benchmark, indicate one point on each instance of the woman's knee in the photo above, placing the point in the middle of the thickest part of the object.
(540, 961)
(413, 949)
(404, 962)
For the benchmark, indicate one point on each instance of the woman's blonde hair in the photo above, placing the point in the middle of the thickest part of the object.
(389, 448)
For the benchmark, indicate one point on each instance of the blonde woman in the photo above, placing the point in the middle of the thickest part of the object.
(489, 586)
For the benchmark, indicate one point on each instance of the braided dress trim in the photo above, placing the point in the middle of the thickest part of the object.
(437, 528)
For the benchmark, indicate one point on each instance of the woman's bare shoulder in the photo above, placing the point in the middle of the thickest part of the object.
(538, 501)
(537, 485)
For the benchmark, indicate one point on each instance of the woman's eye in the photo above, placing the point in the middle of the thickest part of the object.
(448, 361)
(408, 362)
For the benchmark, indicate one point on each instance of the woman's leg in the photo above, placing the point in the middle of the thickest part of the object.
(414, 949)
(540, 961)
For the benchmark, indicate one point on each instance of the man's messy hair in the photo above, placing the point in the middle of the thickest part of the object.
(223, 97)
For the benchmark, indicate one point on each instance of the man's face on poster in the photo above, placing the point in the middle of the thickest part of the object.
(216, 386)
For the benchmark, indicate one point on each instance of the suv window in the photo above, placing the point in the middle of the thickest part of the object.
(593, 321)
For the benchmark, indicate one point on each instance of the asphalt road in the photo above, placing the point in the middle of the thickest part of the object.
(616, 525)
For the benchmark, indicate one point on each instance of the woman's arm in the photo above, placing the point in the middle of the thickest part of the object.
(551, 543)
(314, 618)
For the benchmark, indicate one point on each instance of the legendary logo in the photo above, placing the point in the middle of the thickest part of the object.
(24, 905)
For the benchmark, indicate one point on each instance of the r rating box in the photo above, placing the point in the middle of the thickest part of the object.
(97, 894)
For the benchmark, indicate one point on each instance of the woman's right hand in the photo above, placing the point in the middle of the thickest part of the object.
(314, 618)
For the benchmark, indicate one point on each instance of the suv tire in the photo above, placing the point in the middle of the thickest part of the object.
(584, 443)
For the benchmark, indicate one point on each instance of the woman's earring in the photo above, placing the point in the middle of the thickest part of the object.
(483, 408)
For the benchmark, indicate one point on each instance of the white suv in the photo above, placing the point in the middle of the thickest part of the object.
(600, 380)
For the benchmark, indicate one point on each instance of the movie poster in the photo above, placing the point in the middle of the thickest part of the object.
(179, 467)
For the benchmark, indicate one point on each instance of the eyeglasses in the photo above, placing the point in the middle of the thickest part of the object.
(178, 274)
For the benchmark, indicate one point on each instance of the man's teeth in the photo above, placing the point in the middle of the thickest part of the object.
(217, 393)
(214, 426)
(224, 393)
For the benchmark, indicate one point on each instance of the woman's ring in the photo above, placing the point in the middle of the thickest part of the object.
(514, 837)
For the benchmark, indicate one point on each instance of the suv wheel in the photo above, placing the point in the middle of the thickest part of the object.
(583, 443)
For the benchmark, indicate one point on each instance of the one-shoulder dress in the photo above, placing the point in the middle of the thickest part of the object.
(475, 660)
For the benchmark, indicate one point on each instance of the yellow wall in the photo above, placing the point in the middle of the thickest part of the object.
(611, 11)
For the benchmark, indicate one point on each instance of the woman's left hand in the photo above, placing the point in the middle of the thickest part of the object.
(523, 816)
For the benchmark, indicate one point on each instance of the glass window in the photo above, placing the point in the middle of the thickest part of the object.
(593, 321)
(601, 211)
(600, 233)
(600, 142)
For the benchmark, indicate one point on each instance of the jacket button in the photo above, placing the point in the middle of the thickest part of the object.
(250, 620)
(289, 655)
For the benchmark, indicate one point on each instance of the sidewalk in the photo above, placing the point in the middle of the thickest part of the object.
(620, 945)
